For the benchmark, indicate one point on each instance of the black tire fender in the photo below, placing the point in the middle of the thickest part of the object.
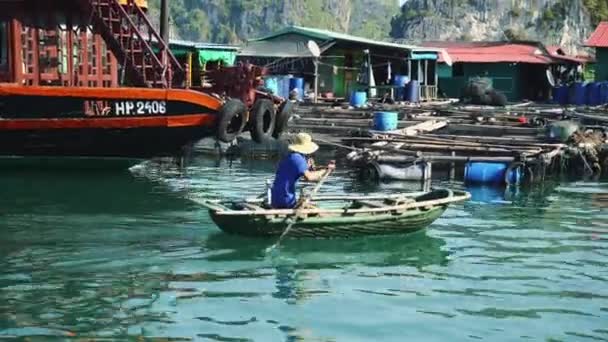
(262, 120)
(283, 116)
(231, 121)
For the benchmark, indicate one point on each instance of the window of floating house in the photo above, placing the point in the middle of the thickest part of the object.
(76, 51)
(92, 57)
(3, 45)
(105, 62)
(63, 49)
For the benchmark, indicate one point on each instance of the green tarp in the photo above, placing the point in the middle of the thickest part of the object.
(228, 57)
(204, 55)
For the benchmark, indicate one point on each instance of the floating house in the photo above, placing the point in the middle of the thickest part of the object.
(200, 57)
(599, 40)
(342, 60)
(522, 70)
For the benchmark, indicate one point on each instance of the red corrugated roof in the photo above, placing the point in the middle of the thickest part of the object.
(599, 38)
(500, 52)
(558, 53)
(555, 50)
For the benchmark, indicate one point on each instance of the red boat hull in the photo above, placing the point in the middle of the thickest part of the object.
(94, 122)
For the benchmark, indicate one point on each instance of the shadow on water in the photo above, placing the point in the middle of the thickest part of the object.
(84, 192)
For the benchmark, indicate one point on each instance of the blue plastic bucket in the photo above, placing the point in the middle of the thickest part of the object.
(400, 81)
(358, 98)
(412, 92)
(385, 121)
(577, 95)
(593, 93)
(489, 173)
(297, 83)
(271, 83)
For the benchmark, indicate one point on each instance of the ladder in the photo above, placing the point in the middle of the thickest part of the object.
(130, 36)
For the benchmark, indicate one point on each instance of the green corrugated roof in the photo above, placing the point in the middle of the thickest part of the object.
(331, 35)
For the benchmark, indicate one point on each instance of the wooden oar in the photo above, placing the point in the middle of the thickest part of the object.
(301, 205)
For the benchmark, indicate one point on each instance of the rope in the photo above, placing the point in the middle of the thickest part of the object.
(338, 145)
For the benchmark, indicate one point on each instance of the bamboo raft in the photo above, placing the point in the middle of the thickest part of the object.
(450, 137)
(335, 216)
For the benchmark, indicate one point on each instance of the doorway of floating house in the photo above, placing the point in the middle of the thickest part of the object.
(533, 83)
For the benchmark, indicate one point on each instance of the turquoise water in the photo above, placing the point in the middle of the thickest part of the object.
(114, 255)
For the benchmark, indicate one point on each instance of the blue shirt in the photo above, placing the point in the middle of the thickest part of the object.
(290, 169)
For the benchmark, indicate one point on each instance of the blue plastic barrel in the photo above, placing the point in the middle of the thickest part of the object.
(577, 95)
(488, 172)
(385, 121)
(593, 93)
(400, 81)
(283, 85)
(271, 83)
(560, 95)
(564, 91)
(358, 98)
(555, 94)
(297, 83)
(412, 92)
(280, 83)
(604, 92)
(485, 193)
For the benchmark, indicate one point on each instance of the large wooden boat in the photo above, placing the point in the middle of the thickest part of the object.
(336, 216)
(93, 78)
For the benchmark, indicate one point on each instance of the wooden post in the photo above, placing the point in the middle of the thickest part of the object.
(189, 71)
(16, 56)
(69, 51)
(426, 178)
(453, 167)
(419, 81)
(84, 56)
(426, 79)
(164, 29)
(99, 60)
(36, 49)
(409, 69)
(316, 63)
(426, 71)
(436, 80)
(436, 74)
(392, 89)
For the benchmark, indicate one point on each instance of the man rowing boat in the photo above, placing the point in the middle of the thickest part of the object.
(291, 168)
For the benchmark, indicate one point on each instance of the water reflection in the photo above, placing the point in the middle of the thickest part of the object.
(124, 256)
(416, 249)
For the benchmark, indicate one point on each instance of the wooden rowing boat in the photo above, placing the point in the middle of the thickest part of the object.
(335, 216)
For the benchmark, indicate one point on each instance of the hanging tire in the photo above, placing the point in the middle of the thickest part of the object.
(283, 116)
(262, 121)
(231, 121)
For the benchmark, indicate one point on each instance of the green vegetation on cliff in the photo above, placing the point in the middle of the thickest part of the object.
(598, 10)
(231, 21)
